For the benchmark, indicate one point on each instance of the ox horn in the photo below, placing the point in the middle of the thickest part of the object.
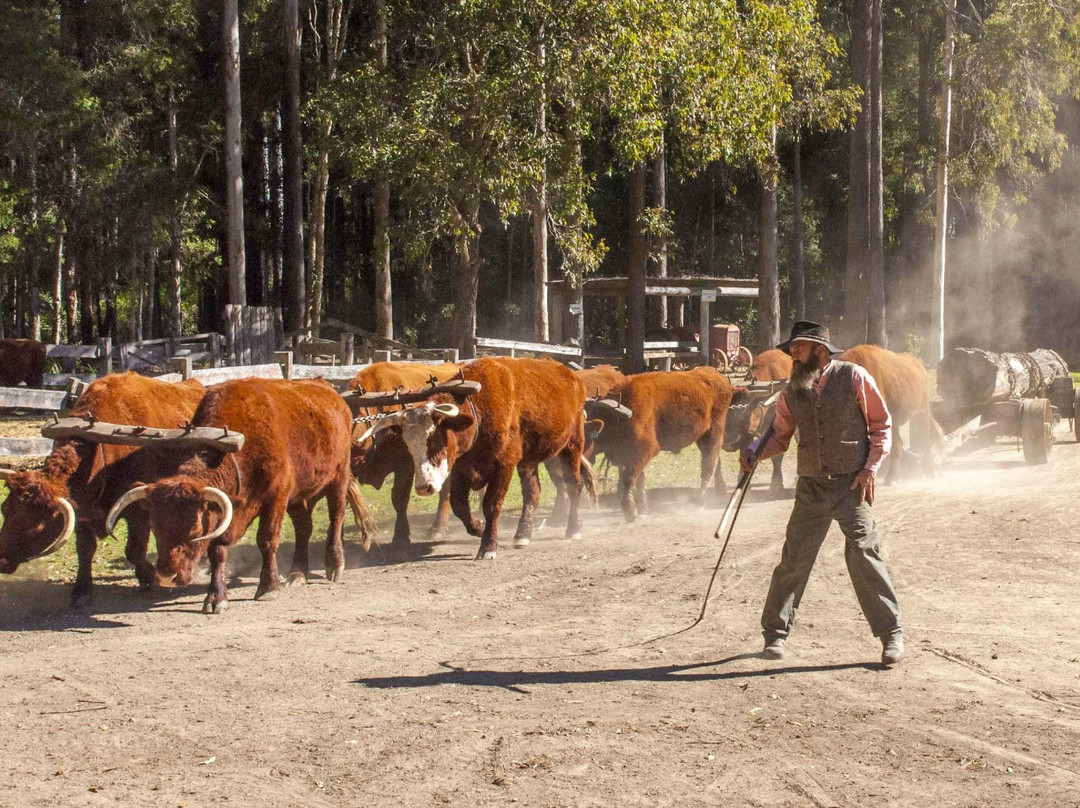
(222, 499)
(134, 495)
(449, 410)
(7, 474)
(382, 423)
(69, 521)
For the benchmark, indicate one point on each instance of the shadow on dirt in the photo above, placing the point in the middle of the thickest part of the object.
(517, 680)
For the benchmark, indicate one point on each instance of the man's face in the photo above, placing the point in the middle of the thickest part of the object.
(807, 355)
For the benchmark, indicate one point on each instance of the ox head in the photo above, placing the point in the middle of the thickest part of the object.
(745, 419)
(38, 518)
(185, 516)
(603, 416)
(435, 433)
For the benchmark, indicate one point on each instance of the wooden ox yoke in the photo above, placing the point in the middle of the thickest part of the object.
(459, 389)
(95, 431)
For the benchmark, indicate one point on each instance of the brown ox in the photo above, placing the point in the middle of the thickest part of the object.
(385, 453)
(747, 412)
(901, 378)
(22, 360)
(91, 477)
(526, 411)
(296, 451)
(671, 410)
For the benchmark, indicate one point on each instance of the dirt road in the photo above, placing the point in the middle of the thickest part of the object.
(442, 681)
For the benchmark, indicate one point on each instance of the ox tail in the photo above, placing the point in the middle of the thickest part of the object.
(588, 480)
(362, 514)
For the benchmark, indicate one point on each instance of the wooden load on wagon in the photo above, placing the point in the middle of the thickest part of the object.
(986, 396)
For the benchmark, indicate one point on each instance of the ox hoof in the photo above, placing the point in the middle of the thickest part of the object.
(575, 536)
(268, 592)
(334, 575)
(210, 607)
(296, 577)
(523, 541)
(486, 555)
(435, 534)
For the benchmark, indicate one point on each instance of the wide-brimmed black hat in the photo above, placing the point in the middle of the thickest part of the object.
(811, 332)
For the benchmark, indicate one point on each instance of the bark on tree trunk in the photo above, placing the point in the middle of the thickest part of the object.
(937, 317)
(638, 267)
(317, 231)
(58, 280)
(467, 277)
(384, 303)
(858, 214)
(969, 377)
(234, 184)
(798, 269)
(659, 246)
(176, 314)
(768, 319)
(875, 324)
(293, 300)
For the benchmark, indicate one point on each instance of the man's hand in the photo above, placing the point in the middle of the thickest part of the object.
(864, 481)
(747, 459)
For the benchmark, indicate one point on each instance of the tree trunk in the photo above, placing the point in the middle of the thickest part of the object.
(637, 261)
(969, 377)
(293, 271)
(659, 242)
(384, 302)
(467, 277)
(317, 230)
(541, 326)
(941, 219)
(176, 313)
(277, 213)
(858, 213)
(58, 280)
(875, 322)
(768, 313)
(798, 268)
(138, 294)
(234, 183)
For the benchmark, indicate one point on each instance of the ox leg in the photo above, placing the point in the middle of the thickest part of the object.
(572, 483)
(558, 479)
(400, 495)
(709, 445)
(85, 547)
(267, 537)
(497, 487)
(530, 496)
(138, 529)
(776, 484)
(300, 516)
(632, 490)
(334, 557)
(896, 457)
(217, 598)
(459, 501)
(442, 515)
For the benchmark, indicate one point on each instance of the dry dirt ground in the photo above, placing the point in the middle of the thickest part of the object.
(439, 680)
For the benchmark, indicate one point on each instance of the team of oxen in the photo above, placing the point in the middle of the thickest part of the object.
(440, 430)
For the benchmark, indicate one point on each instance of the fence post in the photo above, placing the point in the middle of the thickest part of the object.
(215, 341)
(105, 355)
(285, 358)
(346, 346)
(181, 365)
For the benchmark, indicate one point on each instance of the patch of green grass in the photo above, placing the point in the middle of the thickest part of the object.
(666, 470)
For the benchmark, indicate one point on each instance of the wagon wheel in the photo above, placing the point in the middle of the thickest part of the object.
(743, 359)
(720, 360)
(1036, 430)
(1076, 414)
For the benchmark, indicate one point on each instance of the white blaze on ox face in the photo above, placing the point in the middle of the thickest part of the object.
(418, 427)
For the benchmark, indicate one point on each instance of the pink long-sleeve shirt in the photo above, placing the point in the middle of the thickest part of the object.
(878, 420)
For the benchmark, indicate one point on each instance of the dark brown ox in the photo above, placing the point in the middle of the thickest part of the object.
(670, 410)
(901, 378)
(384, 452)
(296, 451)
(22, 360)
(90, 478)
(748, 413)
(527, 410)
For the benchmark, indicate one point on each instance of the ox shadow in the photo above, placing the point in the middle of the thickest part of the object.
(518, 681)
(38, 605)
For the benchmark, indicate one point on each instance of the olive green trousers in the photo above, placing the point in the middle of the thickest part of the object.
(818, 501)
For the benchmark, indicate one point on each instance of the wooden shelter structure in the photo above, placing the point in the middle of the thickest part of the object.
(569, 302)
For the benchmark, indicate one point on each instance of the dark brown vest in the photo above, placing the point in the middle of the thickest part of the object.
(833, 438)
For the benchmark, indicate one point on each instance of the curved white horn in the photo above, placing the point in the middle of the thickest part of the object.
(69, 521)
(223, 501)
(449, 410)
(7, 474)
(134, 495)
(379, 425)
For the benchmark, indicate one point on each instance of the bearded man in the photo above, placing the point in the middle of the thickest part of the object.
(844, 434)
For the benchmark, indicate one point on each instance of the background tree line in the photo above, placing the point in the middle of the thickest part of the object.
(421, 169)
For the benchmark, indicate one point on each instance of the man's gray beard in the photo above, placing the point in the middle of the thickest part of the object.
(803, 378)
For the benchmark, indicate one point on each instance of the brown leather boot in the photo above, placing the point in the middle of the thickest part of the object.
(892, 648)
(774, 648)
